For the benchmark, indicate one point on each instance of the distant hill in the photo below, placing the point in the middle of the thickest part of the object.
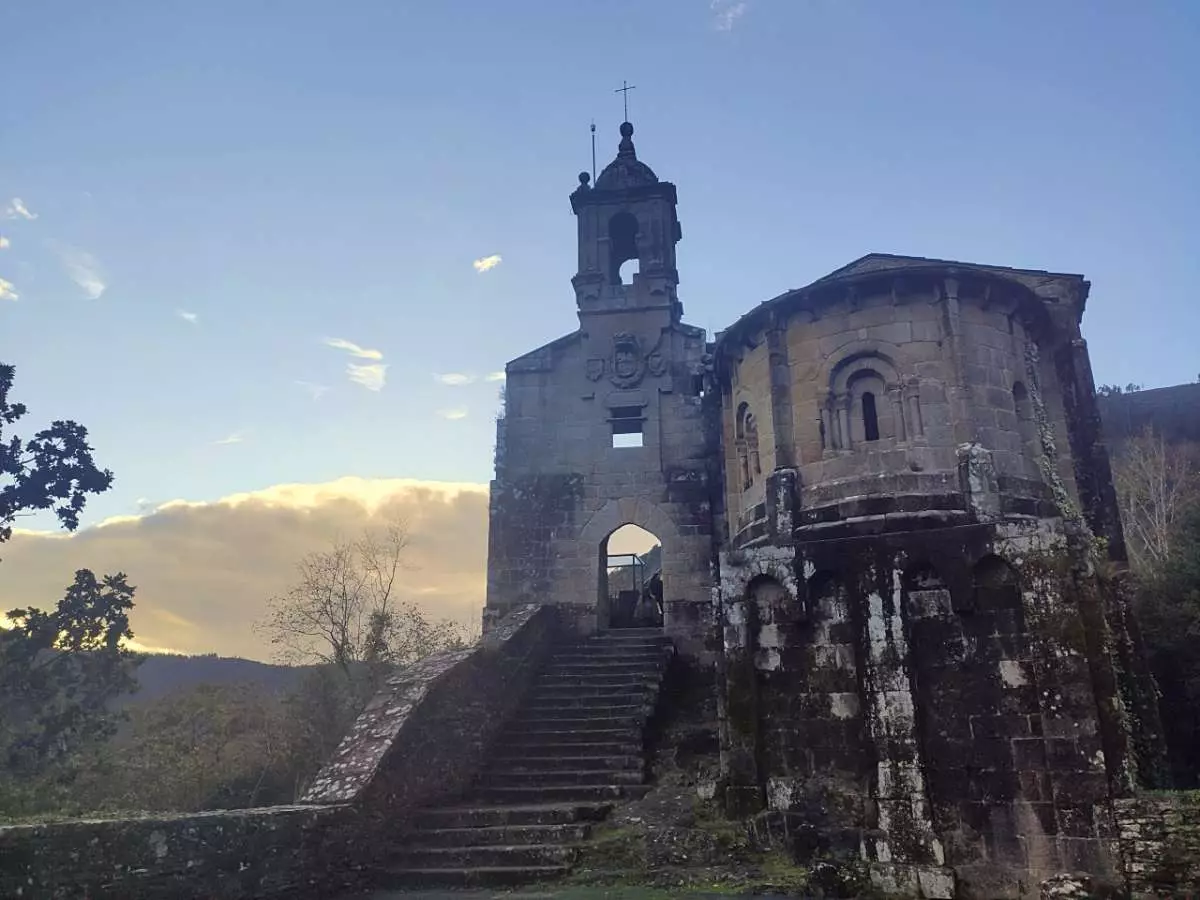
(162, 674)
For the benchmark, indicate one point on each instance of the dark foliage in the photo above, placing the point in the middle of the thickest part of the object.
(52, 470)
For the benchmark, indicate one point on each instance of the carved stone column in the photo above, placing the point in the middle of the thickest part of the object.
(781, 395)
(912, 397)
(843, 415)
(897, 401)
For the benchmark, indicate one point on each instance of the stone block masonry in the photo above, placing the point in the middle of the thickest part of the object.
(1160, 843)
(282, 851)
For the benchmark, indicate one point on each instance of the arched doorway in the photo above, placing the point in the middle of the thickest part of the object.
(631, 579)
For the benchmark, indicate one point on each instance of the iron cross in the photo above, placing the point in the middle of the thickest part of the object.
(624, 90)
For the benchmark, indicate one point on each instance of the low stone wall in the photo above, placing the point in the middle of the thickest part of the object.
(293, 851)
(421, 740)
(1160, 843)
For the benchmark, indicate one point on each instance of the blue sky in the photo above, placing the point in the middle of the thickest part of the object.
(291, 172)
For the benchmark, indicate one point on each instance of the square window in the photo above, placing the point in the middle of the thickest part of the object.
(627, 426)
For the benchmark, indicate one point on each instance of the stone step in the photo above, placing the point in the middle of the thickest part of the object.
(648, 670)
(483, 856)
(536, 747)
(557, 777)
(579, 723)
(482, 815)
(599, 680)
(561, 793)
(640, 689)
(605, 653)
(529, 762)
(398, 878)
(561, 731)
(589, 711)
(616, 634)
(502, 835)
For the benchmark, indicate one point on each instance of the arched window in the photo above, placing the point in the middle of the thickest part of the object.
(870, 419)
(622, 243)
(746, 440)
(752, 444)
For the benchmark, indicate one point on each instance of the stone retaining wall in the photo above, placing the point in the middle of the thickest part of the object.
(1160, 843)
(420, 741)
(293, 851)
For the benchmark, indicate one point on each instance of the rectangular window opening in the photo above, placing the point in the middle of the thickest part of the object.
(627, 428)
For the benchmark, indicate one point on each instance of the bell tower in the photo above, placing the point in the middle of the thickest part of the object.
(628, 228)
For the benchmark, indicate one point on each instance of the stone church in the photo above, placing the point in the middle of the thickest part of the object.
(888, 526)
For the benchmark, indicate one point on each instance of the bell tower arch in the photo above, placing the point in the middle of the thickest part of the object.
(627, 215)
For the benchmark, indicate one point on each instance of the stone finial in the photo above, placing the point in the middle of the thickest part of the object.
(625, 148)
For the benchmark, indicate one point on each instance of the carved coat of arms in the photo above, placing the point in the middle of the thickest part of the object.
(628, 363)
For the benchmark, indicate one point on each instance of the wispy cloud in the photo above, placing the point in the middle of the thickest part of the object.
(7, 291)
(455, 379)
(236, 438)
(352, 348)
(84, 270)
(372, 376)
(458, 412)
(494, 376)
(487, 263)
(187, 316)
(5, 243)
(316, 391)
(16, 209)
(727, 12)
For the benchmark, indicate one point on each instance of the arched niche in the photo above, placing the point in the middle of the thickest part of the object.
(746, 446)
(867, 404)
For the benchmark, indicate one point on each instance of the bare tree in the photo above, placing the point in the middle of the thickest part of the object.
(343, 611)
(1157, 482)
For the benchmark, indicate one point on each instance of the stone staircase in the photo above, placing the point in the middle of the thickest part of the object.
(574, 750)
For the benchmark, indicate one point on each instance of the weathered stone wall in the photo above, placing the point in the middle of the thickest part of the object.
(422, 739)
(286, 851)
(563, 488)
(931, 693)
(948, 359)
(425, 736)
(1160, 844)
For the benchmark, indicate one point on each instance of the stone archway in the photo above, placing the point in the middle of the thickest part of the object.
(593, 540)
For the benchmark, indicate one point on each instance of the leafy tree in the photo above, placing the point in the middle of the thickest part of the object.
(60, 670)
(52, 470)
(1112, 390)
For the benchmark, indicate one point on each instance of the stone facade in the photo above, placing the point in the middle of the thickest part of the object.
(885, 509)
(631, 375)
